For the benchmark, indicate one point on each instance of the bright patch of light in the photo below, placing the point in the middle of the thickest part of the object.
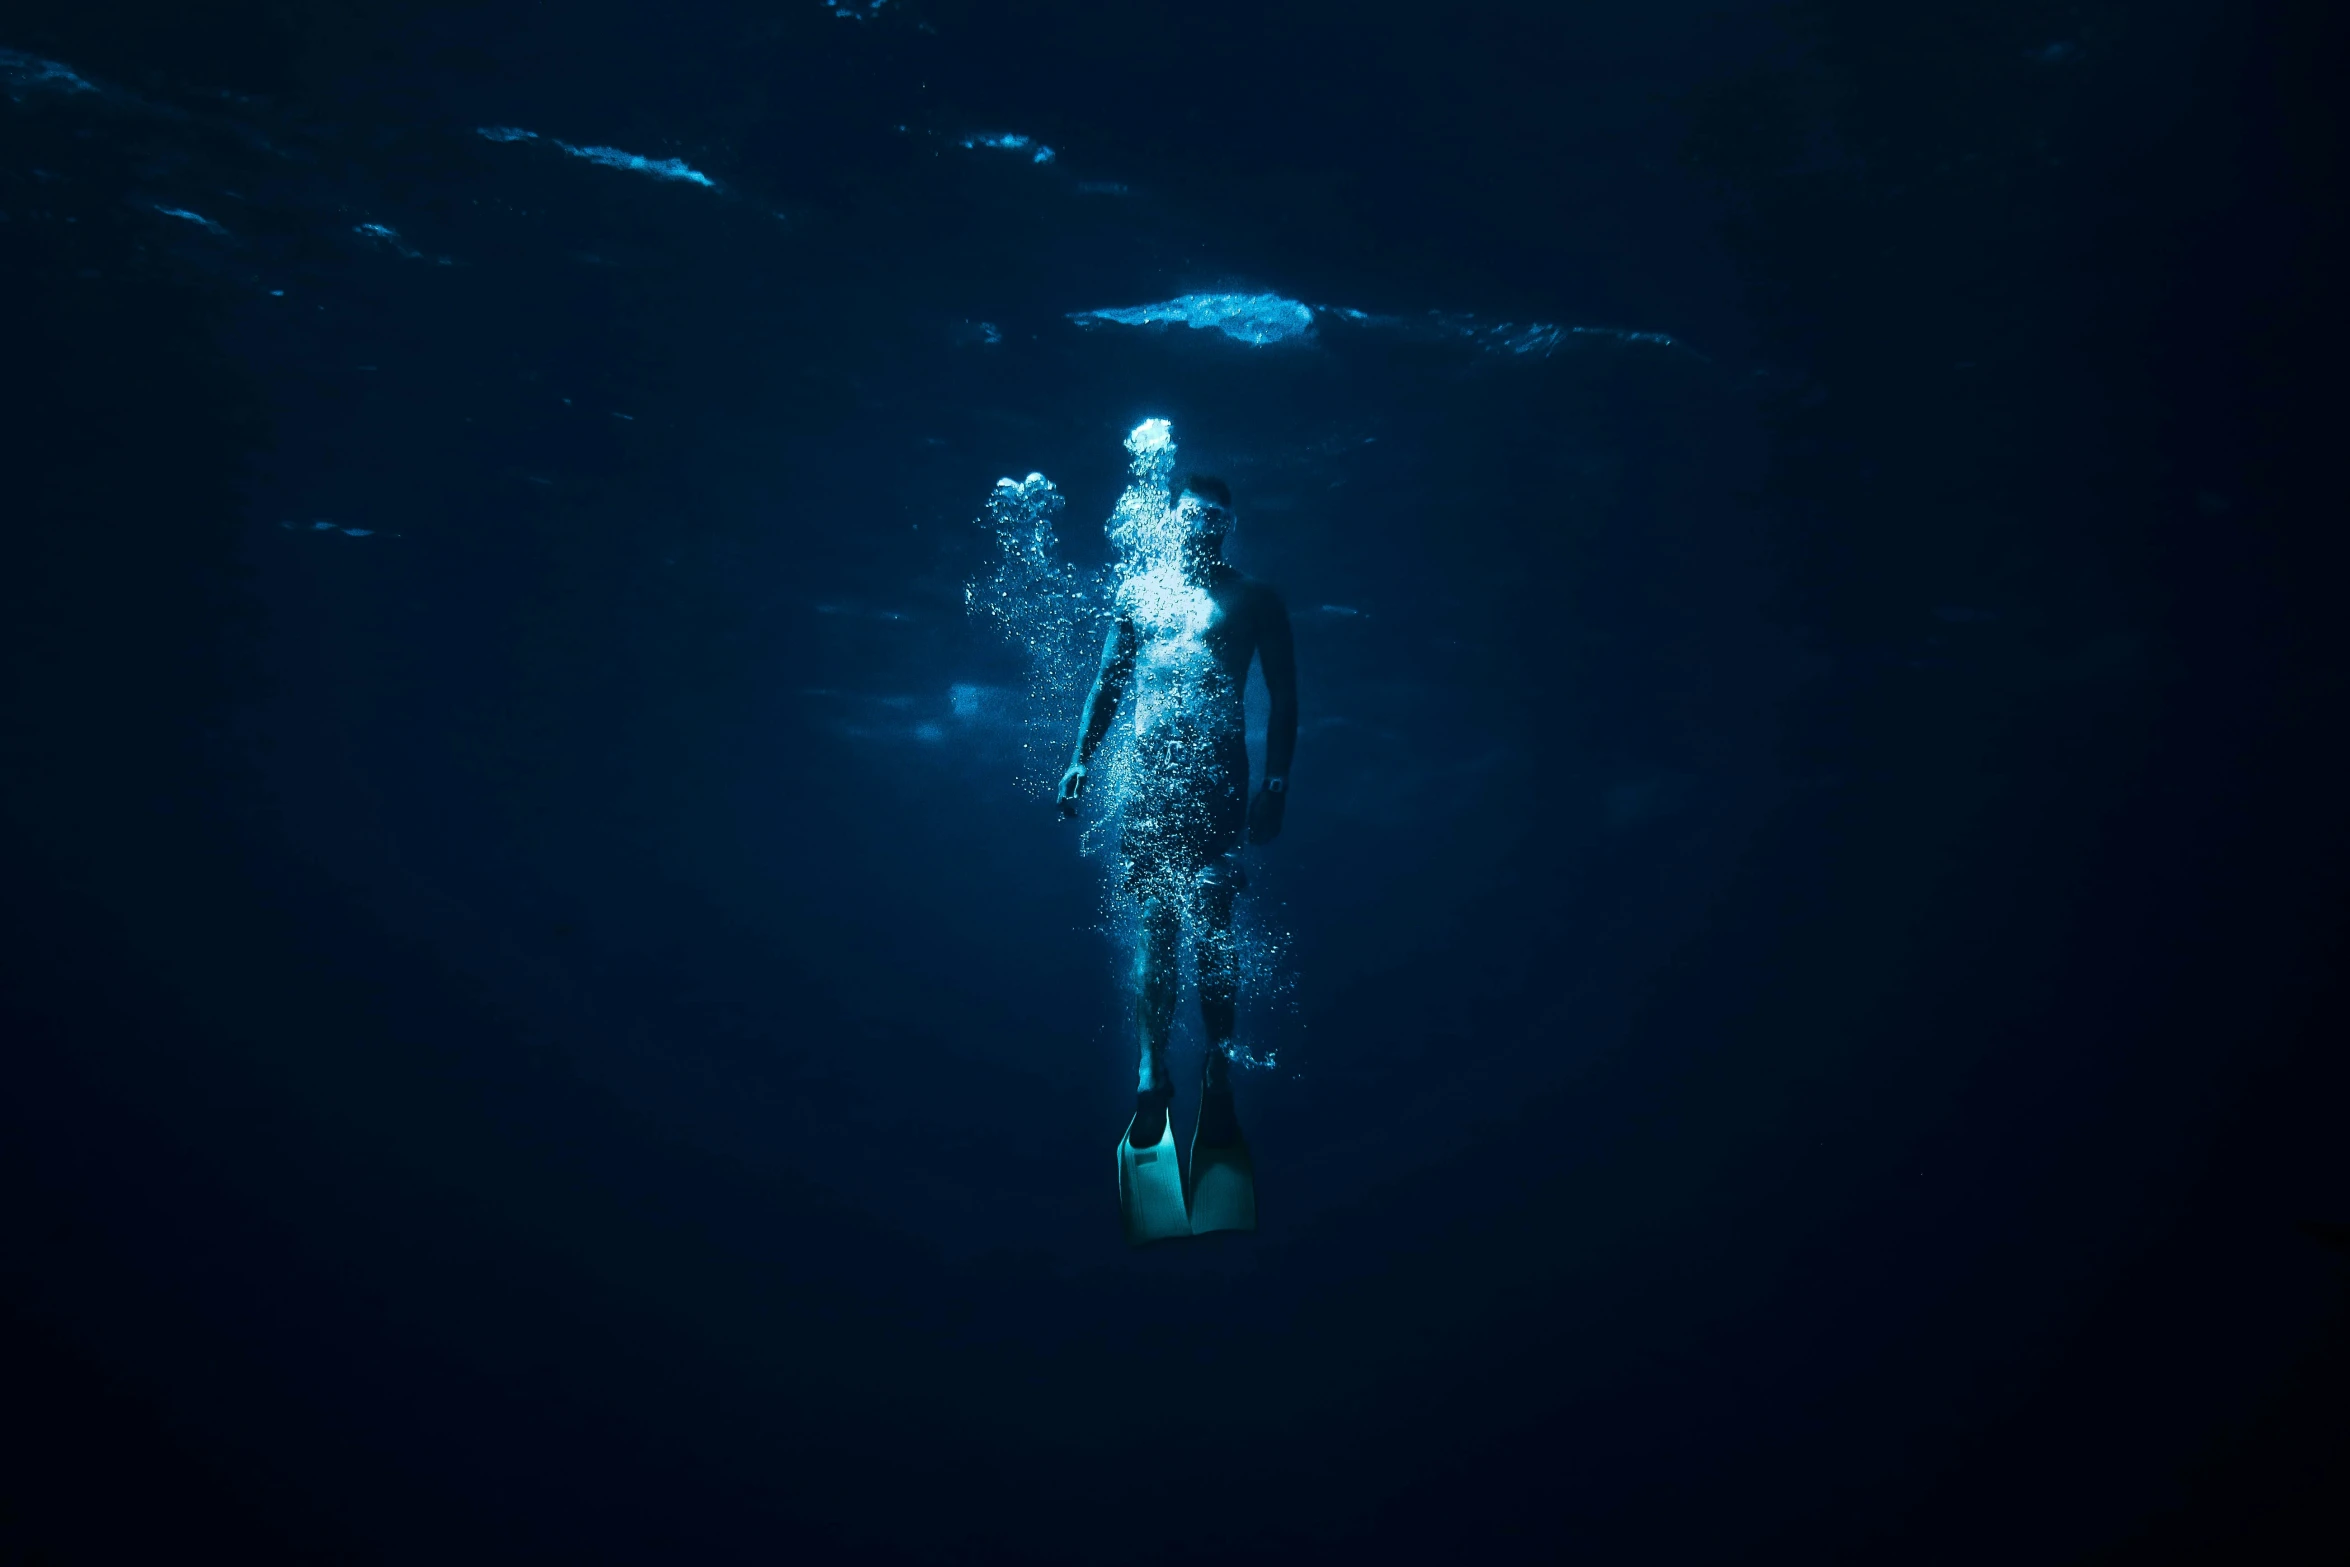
(1012, 141)
(197, 218)
(1255, 319)
(31, 73)
(1150, 441)
(609, 157)
(384, 234)
(658, 168)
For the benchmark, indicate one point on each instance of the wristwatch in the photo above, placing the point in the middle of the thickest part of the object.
(1275, 784)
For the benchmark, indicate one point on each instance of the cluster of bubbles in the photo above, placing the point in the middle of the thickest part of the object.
(1057, 614)
(1047, 608)
(1267, 982)
(1054, 611)
(1152, 587)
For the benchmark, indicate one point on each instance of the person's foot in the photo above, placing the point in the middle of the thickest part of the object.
(1150, 1117)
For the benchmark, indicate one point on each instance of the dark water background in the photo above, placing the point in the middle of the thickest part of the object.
(543, 1030)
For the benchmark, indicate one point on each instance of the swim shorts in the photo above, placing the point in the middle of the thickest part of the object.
(1185, 822)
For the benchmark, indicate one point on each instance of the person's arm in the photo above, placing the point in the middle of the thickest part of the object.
(1101, 706)
(1279, 655)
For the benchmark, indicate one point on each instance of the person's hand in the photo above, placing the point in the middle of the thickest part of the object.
(1264, 812)
(1072, 787)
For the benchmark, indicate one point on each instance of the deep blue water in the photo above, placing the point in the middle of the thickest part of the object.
(548, 1018)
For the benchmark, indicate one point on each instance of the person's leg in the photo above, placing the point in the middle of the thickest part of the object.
(1154, 993)
(1218, 953)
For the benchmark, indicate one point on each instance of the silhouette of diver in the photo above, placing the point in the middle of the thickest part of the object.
(1181, 637)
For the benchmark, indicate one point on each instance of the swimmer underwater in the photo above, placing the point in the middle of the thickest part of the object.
(1180, 642)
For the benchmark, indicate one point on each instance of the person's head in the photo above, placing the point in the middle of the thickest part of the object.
(1204, 507)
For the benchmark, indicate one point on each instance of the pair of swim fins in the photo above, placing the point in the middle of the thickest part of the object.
(1223, 1193)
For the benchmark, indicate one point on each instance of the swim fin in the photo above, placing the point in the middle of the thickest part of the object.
(1150, 1186)
(1223, 1180)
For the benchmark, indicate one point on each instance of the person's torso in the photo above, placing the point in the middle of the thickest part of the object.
(1193, 644)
